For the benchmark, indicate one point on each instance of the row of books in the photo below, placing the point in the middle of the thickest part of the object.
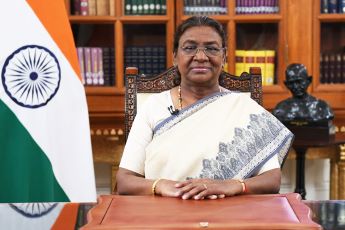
(97, 65)
(332, 68)
(150, 60)
(205, 7)
(142, 7)
(265, 59)
(332, 6)
(257, 6)
(93, 7)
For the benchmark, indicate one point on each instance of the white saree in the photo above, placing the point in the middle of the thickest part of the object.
(226, 135)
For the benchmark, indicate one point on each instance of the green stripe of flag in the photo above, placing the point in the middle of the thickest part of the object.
(26, 173)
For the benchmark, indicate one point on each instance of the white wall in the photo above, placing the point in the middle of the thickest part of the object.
(317, 178)
(103, 178)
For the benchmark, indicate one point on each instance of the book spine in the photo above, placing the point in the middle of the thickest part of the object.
(112, 66)
(341, 6)
(92, 7)
(80, 54)
(106, 66)
(331, 68)
(332, 6)
(262, 7)
(128, 7)
(87, 61)
(76, 7)
(276, 6)
(324, 6)
(102, 7)
(158, 6)
(152, 7)
(155, 60)
(255, 7)
(245, 6)
(134, 8)
(162, 58)
(148, 59)
(221, 7)
(146, 7)
(141, 60)
(204, 8)
(338, 73)
(250, 5)
(260, 61)
(321, 70)
(94, 66)
(112, 7)
(140, 6)
(208, 8)
(326, 68)
(238, 7)
(84, 7)
(267, 6)
(192, 4)
(100, 66)
(163, 7)
(239, 62)
(343, 67)
(186, 7)
(249, 60)
(270, 67)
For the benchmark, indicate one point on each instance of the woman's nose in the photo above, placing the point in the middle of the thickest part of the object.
(200, 55)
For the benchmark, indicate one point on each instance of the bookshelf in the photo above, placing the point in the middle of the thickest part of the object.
(118, 31)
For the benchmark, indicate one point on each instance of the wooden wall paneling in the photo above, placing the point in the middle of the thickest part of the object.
(299, 32)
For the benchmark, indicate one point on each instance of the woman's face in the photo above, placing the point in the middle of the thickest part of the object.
(202, 68)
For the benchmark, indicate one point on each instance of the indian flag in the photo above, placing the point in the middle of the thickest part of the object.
(45, 147)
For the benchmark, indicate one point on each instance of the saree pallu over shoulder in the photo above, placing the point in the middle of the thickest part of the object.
(226, 135)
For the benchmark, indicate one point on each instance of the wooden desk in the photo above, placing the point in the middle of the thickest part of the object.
(333, 149)
(279, 211)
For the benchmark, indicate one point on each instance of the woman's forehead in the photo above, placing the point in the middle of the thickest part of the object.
(201, 34)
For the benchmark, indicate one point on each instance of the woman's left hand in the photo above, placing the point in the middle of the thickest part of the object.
(207, 188)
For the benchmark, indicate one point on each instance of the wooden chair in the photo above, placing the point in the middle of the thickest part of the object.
(135, 84)
(247, 82)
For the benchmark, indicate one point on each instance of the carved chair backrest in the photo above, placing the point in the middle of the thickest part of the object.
(135, 84)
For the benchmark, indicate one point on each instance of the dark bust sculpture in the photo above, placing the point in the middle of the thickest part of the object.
(301, 106)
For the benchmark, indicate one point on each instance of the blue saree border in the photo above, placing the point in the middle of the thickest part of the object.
(169, 122)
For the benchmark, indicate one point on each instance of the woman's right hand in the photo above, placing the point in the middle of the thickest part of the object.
(167, 188)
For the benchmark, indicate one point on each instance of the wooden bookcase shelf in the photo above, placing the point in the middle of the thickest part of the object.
(118, 31)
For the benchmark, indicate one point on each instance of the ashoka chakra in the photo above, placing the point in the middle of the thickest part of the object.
(33, 209)
(31, 76)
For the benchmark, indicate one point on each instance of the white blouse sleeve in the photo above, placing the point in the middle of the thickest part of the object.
(152, 111)
(272, 163)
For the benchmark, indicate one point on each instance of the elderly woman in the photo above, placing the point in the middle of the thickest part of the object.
(219, 144)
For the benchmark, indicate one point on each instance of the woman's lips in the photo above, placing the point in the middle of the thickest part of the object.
(200, 69)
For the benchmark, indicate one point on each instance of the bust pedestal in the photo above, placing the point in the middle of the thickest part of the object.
(309, 137)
